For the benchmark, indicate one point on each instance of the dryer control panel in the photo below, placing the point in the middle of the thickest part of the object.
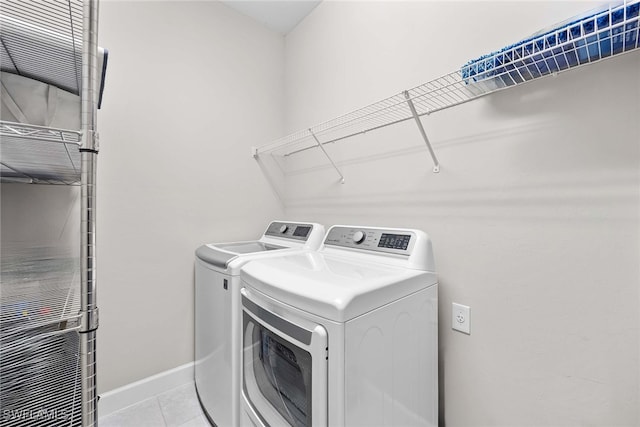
(372, 239)
(289, 230)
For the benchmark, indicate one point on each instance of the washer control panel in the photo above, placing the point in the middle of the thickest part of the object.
(372, 239)
(289, 230)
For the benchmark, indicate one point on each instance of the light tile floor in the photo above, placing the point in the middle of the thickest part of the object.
(175, 408)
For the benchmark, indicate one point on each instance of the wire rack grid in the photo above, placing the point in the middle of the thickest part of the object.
(43, 40)
(438, 94)
(39, 154)
(39, 304)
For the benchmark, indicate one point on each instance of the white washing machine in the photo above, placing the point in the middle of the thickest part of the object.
(218, 311)
(345, 336)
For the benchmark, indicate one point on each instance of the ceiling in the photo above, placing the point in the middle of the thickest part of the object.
(280, 16)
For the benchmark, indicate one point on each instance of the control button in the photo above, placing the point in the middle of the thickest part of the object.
(283, 228)
(358, 237)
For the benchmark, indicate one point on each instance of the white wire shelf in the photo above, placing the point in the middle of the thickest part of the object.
(596, 37)
(37, 154)
(436, 95)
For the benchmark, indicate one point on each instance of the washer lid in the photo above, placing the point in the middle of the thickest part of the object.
(278, 236)
(330, 286)
(221, 254)
(247, 247)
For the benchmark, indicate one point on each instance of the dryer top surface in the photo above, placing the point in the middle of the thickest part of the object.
(332, 286)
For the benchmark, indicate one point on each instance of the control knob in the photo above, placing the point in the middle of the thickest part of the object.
(283, 228)
(358, 237)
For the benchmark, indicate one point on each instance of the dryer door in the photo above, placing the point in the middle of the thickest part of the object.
(284, 367)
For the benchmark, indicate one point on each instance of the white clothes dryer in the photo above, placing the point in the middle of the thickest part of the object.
(345, 336)
(218, 311)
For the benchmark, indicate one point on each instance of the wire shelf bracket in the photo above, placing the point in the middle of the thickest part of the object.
(436, 164)
(328, 156)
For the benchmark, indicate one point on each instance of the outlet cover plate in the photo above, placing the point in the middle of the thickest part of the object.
(461, 318)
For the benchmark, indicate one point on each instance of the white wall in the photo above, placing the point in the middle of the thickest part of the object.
(534, 216)
(191, 86)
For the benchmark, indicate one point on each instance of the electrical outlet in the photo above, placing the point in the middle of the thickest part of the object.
(461, 318)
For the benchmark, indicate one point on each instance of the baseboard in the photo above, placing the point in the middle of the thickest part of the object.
(130, 394)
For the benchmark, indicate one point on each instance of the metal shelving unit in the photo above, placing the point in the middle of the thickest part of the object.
(49, 314)
(597, 36)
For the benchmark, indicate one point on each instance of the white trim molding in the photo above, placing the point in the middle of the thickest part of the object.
(130, 394)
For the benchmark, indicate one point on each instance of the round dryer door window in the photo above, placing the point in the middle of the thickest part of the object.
(284, 369)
